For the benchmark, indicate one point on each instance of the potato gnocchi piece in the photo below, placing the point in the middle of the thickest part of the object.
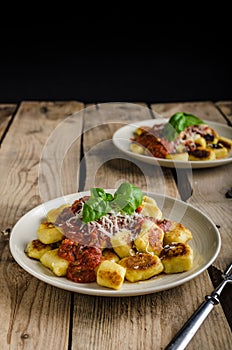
(47, 233)
(110, 274)
(200, 141)
(225, 142)
(109, 254)
(150, 208)
(150, 238)
(202, 153)
(211, 135)
(147, 141)
(54, 213)
(35, 249)
(177, 233)
(141, 129)
(141, 258)
(219, 150)
(177, 257)
(135, 148)
(122, 243)
(178, 156)
(141, 266)
(55, 263)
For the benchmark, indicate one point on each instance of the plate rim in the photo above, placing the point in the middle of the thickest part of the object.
(101, 291)
(167, 162)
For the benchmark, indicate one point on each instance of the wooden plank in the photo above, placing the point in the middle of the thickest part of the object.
(142, 322)
(204, 110)
(210, 186)
(59, 162)
(33, 309)
(21, 155)
(210, 198)
(30, 308)
(225, 108)
(6, 112)
(145, 322)
(105, 165)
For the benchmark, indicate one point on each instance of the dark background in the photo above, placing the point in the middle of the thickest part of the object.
(136, 60)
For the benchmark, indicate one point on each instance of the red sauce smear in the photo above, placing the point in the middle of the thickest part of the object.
(83, 261)
(83, 248)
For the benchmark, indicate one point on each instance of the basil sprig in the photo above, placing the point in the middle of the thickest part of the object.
(126, 199)
(177, 123)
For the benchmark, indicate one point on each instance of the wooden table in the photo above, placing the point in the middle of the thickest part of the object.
(35, 315)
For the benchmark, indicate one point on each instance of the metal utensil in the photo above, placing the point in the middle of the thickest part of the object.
(186, 333)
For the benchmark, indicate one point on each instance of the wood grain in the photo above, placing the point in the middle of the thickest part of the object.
(34, 313)
(225, 108)
(106, 166)
(6, 113)
(37, 315)
(21, 152)
(148, 321)
(210, 185)
(145, 322)
(203, 110)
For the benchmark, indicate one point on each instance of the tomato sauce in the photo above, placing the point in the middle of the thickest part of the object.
(83, 270)
(84, 243)
(83, 261)
(153, 141)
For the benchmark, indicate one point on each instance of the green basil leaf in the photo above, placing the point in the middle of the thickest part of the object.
(191, 120)
(169, 132)
(126, 200)
(94, 209)
(179, 122)
(109, 197)
(97, 192)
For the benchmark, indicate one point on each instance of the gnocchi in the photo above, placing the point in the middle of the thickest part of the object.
(132, 248)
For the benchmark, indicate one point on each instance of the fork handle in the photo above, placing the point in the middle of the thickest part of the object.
(186, 333)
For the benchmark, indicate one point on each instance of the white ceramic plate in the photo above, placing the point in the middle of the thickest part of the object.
(206, 245)
(121, 140)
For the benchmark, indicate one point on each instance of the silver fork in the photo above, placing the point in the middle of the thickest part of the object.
(186, 333)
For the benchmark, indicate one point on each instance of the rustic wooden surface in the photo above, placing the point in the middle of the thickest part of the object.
(37, 315)
(6, 116)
